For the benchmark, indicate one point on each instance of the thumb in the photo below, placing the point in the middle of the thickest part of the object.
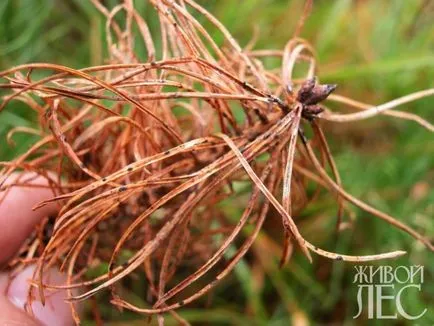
(10, 314)
(14, 297)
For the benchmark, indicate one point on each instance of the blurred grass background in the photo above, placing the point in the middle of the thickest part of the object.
(376, 50)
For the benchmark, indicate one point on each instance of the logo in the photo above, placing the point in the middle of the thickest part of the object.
(385, 286)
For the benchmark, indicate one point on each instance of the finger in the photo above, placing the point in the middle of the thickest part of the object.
(17, 220)
(55, 311)
(10, 314)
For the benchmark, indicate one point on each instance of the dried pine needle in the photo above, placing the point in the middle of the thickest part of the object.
(143, 152)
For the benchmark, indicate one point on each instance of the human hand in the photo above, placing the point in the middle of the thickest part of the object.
(17, 221)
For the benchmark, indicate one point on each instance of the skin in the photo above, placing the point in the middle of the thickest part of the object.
(17, 221)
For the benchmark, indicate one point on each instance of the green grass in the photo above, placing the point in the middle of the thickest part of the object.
(375, 50)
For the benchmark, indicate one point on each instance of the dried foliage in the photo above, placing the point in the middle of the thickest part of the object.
(140, 154)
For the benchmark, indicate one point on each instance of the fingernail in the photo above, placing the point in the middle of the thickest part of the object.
(55, 311)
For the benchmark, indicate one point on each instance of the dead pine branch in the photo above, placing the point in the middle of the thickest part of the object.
(142, 153)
